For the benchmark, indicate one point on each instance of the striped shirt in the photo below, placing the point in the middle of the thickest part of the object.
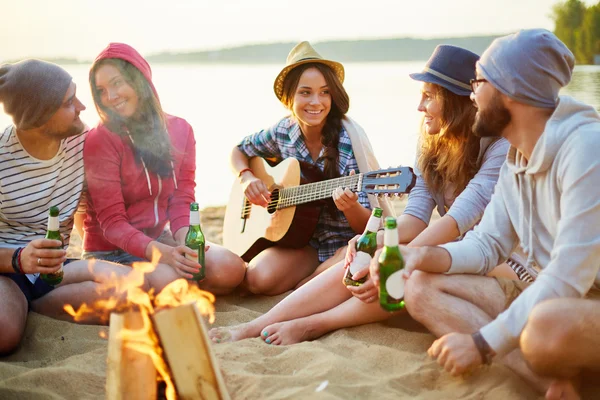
(29, 187)
(285, 140)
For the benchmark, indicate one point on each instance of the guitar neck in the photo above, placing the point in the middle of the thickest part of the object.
(297, 195)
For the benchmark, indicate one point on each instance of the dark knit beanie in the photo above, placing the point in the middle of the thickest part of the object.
(32, 91)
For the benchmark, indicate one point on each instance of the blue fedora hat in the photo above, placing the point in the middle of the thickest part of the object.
(451, 67)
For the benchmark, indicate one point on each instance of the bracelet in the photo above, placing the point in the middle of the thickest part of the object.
(245, 170)
(14, 260)
(19, 261)
(483, 347)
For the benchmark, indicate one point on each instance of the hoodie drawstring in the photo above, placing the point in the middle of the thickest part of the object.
(144, 165)
(530, 259)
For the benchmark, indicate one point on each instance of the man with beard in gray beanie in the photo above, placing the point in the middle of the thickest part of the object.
(546, 204)
(41, 164)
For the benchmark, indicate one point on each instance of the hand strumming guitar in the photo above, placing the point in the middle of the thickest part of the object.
(255, 190)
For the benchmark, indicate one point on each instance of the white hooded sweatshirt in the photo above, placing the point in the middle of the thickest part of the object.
(551, 207)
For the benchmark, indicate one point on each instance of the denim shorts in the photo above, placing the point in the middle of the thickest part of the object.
(32, 291)
(116, 256)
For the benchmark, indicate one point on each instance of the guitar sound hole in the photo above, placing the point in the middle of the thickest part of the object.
(272, 207)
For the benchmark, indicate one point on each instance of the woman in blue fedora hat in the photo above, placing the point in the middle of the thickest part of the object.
(457, 172)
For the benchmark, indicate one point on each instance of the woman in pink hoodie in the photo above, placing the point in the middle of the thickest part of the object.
(140, 167)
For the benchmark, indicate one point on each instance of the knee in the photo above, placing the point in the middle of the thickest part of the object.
(259, 280)
(546, 337)
(418, 292)
(10, 334)
(228, 272)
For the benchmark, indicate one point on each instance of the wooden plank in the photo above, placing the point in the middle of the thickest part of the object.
(188, 351)
(129, 373)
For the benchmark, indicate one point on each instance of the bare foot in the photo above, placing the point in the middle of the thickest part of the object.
(233, 333)
(289, 332)
(563, 390)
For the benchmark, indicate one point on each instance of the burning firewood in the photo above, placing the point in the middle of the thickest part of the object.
(135, 353)
(130, 374)
(185, 342)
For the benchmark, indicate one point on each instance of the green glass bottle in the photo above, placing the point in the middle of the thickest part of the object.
(195, 241)
(366, 246)
(53, 232)
(391, 266)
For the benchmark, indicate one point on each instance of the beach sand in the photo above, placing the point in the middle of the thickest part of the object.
(60, 360)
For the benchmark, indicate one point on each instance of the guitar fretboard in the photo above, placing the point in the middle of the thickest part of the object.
(296, 195)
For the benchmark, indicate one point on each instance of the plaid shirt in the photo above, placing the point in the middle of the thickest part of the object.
(285, 140)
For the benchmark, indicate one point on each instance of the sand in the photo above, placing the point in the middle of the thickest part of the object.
(61, 360)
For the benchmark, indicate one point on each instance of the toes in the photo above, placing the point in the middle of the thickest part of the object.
(271, 338)
(218, 335)
(277, 341)
(274, 339)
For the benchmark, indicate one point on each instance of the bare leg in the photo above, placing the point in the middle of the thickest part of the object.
(330, 262)
(561, 340)
(461, 303)
(277, 270)
(327, 288)
(81, 284)
(352, 312)
(503, 271)
(13, 315)
(224, 270)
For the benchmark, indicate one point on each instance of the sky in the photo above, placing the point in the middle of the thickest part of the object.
(81, 28)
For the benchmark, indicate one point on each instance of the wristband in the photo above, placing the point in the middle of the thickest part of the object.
(19, 262)
(244, 170)
(14, 261)
(483, 347)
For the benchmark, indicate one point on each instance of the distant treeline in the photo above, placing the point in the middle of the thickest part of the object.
(578, 27)
(404, 49)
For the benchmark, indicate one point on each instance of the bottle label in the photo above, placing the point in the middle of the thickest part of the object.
(361, 260)
(190, 257)
(53, 224)
(390, 237)
(373, 224)
(394, 285)
(194, 218)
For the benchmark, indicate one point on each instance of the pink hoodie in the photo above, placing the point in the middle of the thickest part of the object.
(128, 205)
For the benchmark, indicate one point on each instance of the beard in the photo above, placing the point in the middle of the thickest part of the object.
(76, 128)
(492, 121)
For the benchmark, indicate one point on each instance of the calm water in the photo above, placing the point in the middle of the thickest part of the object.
(223, 103)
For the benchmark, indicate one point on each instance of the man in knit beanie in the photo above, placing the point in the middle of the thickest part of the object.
(42, 165)
(547, 205)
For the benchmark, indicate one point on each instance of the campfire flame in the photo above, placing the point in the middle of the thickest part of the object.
(121, 293)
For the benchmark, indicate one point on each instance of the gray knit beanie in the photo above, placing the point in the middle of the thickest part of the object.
(32, 91)
(529, 66)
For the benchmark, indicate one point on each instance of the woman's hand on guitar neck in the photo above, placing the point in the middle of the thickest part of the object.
(255, 190)
(345, 199)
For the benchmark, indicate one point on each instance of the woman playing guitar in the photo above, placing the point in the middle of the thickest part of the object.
(315, 134)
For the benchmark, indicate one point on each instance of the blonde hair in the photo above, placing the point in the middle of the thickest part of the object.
(449, 158)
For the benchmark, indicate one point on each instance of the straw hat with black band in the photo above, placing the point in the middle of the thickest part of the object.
(304, 53)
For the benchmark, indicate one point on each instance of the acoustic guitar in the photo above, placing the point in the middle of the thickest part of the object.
(298, 194)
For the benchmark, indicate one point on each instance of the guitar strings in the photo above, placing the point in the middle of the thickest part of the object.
(309, 192)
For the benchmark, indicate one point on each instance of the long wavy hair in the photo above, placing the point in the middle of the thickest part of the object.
(449, 158)
(340, 103)
(147, 127)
